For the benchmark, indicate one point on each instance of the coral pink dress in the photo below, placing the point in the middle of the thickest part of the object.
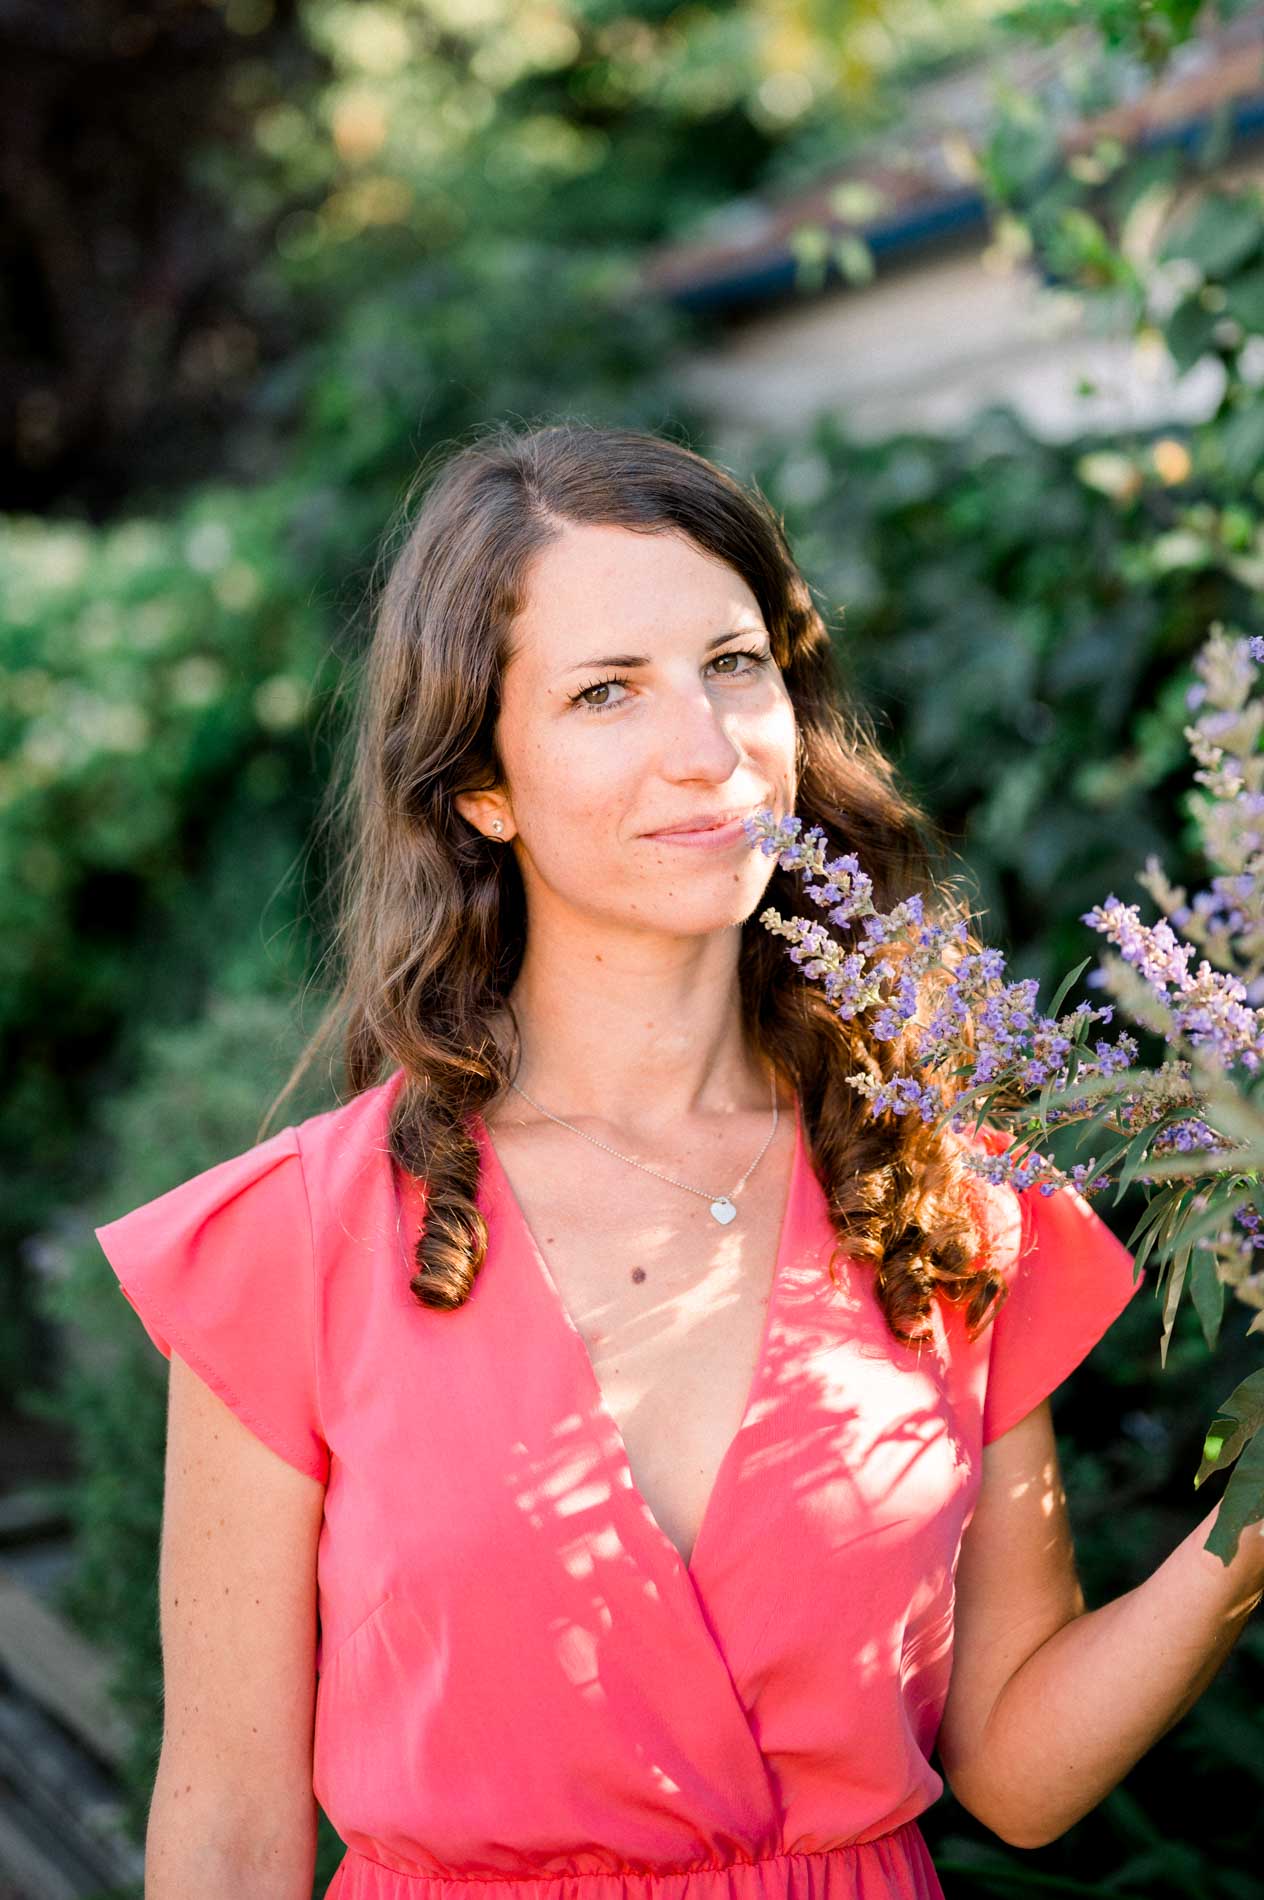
(520, 1679)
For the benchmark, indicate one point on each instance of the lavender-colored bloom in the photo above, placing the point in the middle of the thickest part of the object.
(1013, 1042)
(991, 1036)
(1209, 1009)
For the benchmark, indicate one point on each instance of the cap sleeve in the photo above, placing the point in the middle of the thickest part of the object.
(1069, 1279)
(220, 1270)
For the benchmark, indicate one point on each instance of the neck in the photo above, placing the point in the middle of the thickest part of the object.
(638, 1048)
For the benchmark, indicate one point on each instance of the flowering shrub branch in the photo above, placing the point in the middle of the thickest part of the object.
(1191, 1128)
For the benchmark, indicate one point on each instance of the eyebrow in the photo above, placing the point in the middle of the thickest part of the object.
(638, 659)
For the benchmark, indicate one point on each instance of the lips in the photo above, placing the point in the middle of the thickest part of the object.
(706, 821)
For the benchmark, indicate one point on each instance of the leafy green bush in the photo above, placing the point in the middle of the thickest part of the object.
(1022, 615)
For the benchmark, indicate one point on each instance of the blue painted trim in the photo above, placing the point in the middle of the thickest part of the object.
(955, 214)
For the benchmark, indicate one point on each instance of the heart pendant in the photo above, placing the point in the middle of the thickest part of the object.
(723, 1210)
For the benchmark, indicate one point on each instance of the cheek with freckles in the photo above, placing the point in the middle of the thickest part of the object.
(569, 803)
(570, 836)
(581, 797)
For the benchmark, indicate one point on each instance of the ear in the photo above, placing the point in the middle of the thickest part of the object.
(481, 808)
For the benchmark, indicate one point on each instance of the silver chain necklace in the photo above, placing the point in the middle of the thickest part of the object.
(722, 1207)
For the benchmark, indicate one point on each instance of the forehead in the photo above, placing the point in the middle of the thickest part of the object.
(656, 588)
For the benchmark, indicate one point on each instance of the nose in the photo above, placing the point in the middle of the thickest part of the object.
(696, 741)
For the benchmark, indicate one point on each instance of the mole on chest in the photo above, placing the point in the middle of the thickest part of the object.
(670, 1310)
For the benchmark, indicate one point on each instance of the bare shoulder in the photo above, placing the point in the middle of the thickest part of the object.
(237, 1608)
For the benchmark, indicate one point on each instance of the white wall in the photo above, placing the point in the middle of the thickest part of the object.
(926, 345)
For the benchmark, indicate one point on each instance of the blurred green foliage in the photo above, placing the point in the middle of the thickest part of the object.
(447, 208)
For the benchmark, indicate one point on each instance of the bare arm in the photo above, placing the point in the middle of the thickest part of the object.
(233, 1811)
(1050, 1703)
(1089, 1702)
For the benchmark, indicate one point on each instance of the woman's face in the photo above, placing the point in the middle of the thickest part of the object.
(630, 703)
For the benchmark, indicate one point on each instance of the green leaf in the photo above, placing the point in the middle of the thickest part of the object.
(1172, 1297)
(1237, 1419)
(1222, 1201)
(1242, 440)
(1243, 1502)
(1155, 1208)
(1224, 231)
(1189, 332)
(1152, 1239)
(1207, 1290)
(1246, 300)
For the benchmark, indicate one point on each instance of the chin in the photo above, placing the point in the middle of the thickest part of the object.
(682, 918)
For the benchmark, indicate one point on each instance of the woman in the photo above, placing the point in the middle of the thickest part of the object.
(574, 1434)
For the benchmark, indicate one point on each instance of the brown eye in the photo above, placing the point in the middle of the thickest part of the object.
(756, 659)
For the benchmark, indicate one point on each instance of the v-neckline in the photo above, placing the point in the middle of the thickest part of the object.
(598, 1399)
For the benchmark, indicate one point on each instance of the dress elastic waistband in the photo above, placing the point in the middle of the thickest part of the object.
(894, 1866)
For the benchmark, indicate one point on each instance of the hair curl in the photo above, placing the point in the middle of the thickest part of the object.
(429, 916)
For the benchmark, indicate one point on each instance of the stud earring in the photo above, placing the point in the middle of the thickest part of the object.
(498, 824)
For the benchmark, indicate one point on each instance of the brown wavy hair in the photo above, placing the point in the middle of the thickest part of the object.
(429, 917)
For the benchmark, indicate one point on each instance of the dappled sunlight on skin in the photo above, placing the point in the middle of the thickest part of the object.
(1048, 1496)
(640, 1351)
(674, 1370)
